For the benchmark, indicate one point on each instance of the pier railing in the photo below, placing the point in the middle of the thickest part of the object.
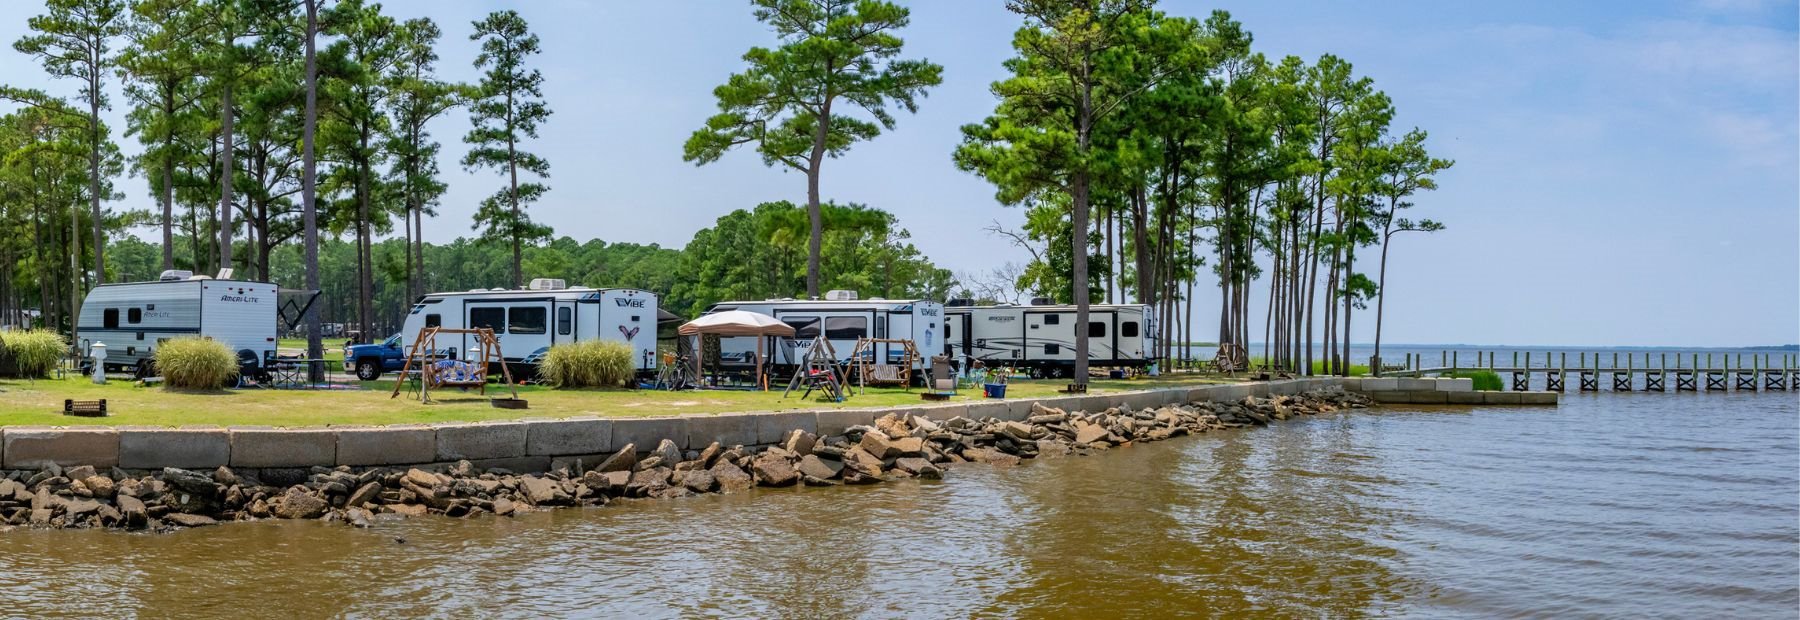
(1626, 372)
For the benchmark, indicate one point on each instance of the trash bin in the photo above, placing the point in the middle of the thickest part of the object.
(994, 390)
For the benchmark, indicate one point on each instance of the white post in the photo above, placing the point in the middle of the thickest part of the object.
(98, 351)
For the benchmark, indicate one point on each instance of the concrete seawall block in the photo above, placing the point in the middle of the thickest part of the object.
(1203, 394)
(1018, 410)
(488, 440)
(771, 427)
(261, 446)
(728, 429)
(1093, 404)
(1499, 398)
(1455, 385)
(1352, 384)
(1408, 384)
(944, 411)
(996, 409)
(35, 447)
(1142, 400)
(1466, 398)
(386, 445)
(1391, 396)
(1537, 398)
(1231, 393)
(566, 437)
(1373, 384)
(1283, 388)
(645, 433)
(1428, 397)
(187, 448)
(834, 421)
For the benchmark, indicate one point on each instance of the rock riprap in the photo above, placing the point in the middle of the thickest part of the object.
(895, 447)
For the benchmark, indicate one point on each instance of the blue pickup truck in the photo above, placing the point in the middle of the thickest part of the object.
(368, 361)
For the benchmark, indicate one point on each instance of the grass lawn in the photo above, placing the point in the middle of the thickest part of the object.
(334, 348)
(40, 402)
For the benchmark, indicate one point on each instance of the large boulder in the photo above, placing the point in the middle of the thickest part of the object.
(730, 478)
(909, 446)
(990, 456)
(811, 465)
(191, 482)
(132, 511)
(623, 460)
(878, 444)
(799, 442)
(773, 470)
(918, 467)
(542, 491)
(1089, 433)
(297, 504)
(860, 461)
(667, 451)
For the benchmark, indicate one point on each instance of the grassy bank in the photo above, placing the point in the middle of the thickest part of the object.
(40, 403)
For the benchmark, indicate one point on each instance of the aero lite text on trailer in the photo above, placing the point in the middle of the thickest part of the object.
(1041, 337)
(527, 323)
(842, 319)
(133, 318)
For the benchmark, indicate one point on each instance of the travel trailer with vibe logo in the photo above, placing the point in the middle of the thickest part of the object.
(527, 323)
(843, 319)
(134, 318)
(1041, 337)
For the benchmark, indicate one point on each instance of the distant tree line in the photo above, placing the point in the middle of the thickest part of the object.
(287, 139)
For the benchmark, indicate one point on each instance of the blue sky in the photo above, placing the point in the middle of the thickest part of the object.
(1627, 172)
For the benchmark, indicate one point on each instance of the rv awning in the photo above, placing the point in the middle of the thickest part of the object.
(737, 323)
(665, 316)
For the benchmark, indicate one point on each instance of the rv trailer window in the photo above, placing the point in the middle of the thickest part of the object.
(491, 318)
(881, 327)
(110, 318)
(1050, 349)
(1052, 319)
(1096, 329)
(565, 321)
(525, 320)
(434, 320)
(846, 327)
(1128, 329)
(134, 315)
(805, 328)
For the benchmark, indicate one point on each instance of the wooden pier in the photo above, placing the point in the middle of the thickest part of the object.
(1618, 372)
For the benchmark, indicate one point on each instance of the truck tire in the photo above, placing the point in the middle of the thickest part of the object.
(368, 369)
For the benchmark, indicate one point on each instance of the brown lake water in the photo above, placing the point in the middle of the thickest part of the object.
(1618, 505)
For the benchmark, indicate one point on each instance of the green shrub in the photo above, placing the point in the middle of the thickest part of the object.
(195, 363)
(589, 363)
(31, 354)
(1484, 380)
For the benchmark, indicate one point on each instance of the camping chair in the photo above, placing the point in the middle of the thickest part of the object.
(942, 379)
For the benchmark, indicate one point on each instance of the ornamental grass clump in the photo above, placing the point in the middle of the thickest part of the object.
(195, 363)
(30, 354)
(589, 363)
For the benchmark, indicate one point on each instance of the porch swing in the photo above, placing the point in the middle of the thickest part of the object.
(429, 369)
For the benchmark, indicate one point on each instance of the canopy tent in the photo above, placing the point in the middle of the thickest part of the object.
(739, 323)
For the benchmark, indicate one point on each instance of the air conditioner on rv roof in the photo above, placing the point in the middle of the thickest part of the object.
(546, 284)
(175, 274)
(840, 295)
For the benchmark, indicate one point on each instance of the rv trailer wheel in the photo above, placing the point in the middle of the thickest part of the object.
(1055, 372)
(144, 369)
(367, 370)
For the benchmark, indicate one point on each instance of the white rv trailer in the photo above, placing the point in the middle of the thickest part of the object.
(133, 318)
(843, 319)
(1042, 337)
(529, 321)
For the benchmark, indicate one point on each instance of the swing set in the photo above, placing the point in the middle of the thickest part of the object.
(431, 369)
